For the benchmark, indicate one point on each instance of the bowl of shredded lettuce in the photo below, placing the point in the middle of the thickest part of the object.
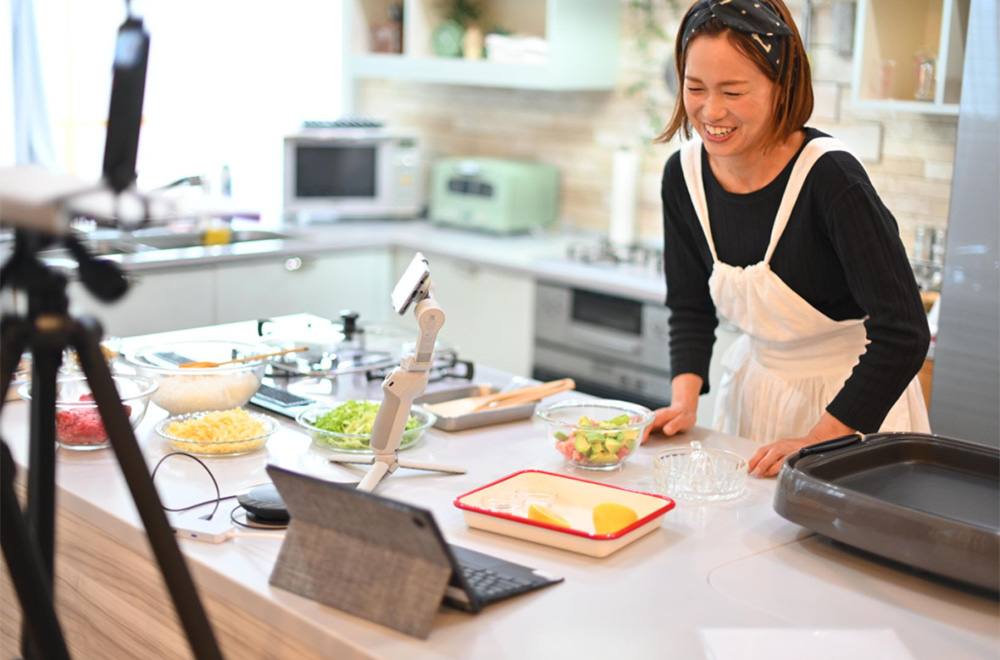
(348, 426)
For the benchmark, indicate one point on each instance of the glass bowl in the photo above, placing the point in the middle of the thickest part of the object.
(78, 422)
(596, 435)
(700, 474)
(358, 442)
(183, 391)
(218, 444)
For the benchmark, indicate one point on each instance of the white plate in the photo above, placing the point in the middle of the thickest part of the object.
(575, 501)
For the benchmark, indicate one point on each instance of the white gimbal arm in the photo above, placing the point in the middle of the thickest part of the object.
(406, 381)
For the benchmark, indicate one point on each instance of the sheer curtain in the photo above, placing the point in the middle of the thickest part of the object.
(226, 80)
(32, 136)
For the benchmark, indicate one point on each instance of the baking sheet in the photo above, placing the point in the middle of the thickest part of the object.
(575, 500)
(479, 418)
(926, 501)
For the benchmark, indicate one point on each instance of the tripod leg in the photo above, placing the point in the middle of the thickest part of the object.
(14, 335)
(27, 572)
(85, 337)
(46, 356)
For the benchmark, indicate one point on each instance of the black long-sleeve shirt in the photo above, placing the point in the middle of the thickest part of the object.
(841, 252)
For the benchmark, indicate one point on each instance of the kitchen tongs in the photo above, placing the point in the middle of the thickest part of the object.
(516, 397)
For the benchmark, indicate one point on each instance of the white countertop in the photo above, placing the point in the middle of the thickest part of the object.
(537, 255)
(711, 571)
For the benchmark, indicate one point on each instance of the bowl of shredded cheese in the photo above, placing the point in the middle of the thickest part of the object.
(218, 432)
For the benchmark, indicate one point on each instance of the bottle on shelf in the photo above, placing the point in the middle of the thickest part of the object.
(388, 37)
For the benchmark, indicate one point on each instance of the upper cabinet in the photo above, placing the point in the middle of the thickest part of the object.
(908, 55)
(552, 45)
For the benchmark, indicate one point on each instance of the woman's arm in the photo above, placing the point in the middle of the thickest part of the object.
(866, 239)
(687, 265)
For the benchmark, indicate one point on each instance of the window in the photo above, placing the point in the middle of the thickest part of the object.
(226, 80)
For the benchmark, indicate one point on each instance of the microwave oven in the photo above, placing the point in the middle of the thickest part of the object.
(352, 173)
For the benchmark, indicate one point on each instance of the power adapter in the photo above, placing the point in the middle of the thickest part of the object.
(199, 529)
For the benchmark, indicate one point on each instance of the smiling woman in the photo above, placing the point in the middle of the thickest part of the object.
(226, 80)
(774, 226)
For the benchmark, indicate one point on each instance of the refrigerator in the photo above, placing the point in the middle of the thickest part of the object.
(965, 391)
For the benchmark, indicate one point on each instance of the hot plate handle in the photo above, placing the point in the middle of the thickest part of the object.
(831, 445)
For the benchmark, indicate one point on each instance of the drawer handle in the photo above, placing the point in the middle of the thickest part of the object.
(293, 264)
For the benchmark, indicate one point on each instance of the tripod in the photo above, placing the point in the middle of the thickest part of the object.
(28, 537)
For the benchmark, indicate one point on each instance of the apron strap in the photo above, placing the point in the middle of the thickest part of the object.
(811, 153)
(691, 166)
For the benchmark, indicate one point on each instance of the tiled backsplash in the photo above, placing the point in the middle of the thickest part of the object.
(579, 131)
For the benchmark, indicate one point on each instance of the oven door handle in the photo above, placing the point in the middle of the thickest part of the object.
(601, 341)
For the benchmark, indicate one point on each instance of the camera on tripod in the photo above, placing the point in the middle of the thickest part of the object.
(39, 206)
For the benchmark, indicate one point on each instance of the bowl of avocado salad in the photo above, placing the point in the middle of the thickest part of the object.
(596, 435)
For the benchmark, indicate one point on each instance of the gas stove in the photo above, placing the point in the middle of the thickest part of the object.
(633, 259)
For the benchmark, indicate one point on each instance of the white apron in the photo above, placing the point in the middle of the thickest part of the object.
(792, 360)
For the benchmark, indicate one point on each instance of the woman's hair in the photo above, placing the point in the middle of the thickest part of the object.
(792, 103)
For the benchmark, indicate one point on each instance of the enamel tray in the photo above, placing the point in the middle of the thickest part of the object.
(475, 419)
(575, 500)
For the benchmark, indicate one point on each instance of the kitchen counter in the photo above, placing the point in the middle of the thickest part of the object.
(542, 256)
(711, 574)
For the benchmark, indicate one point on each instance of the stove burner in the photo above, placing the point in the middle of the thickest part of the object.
(448, 366)
(603, 253)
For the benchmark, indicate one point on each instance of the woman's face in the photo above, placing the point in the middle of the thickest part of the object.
(728, 99)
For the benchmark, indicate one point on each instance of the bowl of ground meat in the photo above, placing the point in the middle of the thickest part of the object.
(79, 425)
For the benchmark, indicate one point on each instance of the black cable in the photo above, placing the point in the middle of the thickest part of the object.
(232, 518)
(218, 493)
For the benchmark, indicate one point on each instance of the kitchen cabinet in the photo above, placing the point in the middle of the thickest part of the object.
(891, 39)
(154, 302)
(321, 285)
(192, 297)
(581, 37)
(489, 314)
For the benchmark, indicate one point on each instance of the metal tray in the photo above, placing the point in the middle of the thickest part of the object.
(476, 419)
(923, 500)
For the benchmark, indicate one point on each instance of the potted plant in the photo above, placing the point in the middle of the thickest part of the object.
(456, 35)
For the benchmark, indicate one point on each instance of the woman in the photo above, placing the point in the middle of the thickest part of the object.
(777, 228)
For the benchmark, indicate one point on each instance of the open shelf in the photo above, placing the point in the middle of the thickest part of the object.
(582, 38)
(890, 38)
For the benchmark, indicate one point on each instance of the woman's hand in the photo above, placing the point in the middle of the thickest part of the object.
(672, 420)
(767, 461)
(682, 413)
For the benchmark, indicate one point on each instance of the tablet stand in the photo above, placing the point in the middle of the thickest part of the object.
(399, 387)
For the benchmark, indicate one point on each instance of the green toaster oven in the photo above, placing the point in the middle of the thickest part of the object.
(495, 195)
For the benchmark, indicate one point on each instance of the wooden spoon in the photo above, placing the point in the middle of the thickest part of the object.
(209, 365)
(471, 404)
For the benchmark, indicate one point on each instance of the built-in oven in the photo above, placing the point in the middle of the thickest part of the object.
(612, 346)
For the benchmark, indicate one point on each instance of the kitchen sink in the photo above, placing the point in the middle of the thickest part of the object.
(143, 242)
(104, 243)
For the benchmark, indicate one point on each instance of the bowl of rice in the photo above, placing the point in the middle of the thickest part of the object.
(347, 426)
(218, 432)
(183, 390)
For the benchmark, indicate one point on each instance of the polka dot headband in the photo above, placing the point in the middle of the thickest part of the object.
(752, 17)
